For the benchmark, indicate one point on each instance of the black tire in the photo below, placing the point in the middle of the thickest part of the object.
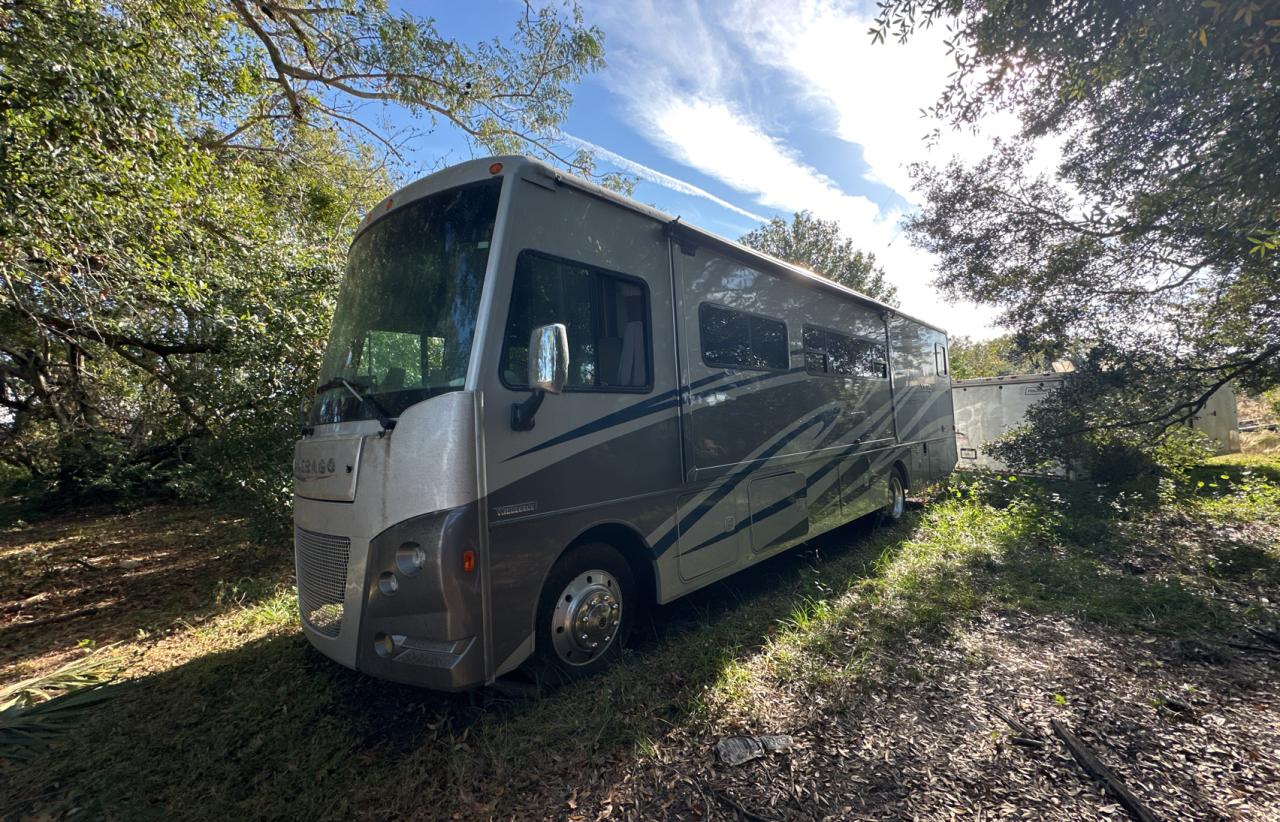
(558, 659)
(897, 506)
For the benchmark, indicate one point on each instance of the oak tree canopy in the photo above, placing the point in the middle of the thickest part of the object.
(1155, 238)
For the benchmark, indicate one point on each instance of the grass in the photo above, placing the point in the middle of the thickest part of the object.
(235, 715)
(1041, 548)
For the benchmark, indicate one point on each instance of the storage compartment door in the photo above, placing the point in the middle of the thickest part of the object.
(712, 531)
(779, 511)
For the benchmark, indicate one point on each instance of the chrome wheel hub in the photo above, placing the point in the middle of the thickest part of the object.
(899, 502)
(587, 617)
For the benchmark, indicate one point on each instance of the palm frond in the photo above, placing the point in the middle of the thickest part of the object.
(35, 711)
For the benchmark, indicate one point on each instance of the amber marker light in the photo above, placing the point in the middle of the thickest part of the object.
(496, 168)
(469, 558)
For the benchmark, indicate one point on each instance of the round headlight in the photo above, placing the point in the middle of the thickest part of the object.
(410, 558)
(388, 584)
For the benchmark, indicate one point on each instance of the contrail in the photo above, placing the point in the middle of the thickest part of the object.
(655, 176)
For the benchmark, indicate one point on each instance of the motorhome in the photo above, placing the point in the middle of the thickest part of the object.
(544, 406)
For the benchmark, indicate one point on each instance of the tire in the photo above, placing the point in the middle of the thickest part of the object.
(581, 592)
(897, 506)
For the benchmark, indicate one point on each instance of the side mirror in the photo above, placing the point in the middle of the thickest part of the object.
(548, 371)
(549, 358)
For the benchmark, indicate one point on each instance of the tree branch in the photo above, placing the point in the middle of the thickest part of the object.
(273, 51)
(159, 348)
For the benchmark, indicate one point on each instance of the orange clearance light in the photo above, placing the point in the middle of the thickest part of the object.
(469, 559)
(496, 168)
(388, 205)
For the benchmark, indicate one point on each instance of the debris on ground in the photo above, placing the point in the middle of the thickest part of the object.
(1096, 768)
(735, 750)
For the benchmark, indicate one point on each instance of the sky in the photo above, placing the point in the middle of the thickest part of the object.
(730, 112)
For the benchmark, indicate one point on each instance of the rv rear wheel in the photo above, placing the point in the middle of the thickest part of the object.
(585, 613)
(893, 511)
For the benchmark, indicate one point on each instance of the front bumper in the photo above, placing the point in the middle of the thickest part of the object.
(428, 631)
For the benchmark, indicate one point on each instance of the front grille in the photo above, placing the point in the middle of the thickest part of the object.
(321, 560)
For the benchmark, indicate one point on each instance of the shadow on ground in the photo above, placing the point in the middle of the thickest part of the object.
(274, 729)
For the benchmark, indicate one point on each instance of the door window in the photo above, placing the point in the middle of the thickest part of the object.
(606, 316)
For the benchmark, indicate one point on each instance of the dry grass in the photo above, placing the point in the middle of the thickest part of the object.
(1260, 442)
(136, 579)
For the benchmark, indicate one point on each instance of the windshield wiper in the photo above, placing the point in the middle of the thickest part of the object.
(384, 419)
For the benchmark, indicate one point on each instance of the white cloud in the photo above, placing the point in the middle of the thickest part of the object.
(685, 77)
(713, 138)
(654, 176)
(876, 91)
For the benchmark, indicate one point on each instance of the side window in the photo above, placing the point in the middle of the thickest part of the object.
(843, 354)
(733, 339)
(606, 316)
(815, 350)
(940, 358)
(834, 354)
(871, 360)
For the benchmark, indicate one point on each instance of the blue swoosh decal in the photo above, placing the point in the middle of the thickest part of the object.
(668, 539)
(650, 405)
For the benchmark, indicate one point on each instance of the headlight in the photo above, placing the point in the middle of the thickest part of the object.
(410, 558)
(388, 584)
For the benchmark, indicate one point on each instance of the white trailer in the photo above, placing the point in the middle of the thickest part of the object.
(988, 407)
(1218, 420)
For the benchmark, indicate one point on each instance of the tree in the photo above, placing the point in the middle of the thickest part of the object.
(1155, 235)
(818, 245)
(180, 179)
(996, 357)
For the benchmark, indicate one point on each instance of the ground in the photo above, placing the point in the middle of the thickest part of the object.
(899, 659)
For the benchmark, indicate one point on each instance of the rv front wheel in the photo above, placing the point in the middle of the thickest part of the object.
(585, 613)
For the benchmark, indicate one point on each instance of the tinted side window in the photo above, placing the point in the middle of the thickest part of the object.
(815, 350)
(768, 343)
(870, 360)
(843, 354)
(732, 339)
(832, 353)
(606, 317)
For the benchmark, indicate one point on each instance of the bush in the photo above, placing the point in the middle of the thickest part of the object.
(1109, 456)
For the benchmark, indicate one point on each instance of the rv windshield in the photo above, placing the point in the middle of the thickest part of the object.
(407, 310)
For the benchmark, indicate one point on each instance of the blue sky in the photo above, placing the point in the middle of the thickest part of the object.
(732, 111)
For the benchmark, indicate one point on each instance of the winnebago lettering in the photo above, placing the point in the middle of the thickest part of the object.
(544, 407)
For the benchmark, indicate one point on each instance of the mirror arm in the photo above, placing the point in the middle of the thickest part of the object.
(522, 412)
